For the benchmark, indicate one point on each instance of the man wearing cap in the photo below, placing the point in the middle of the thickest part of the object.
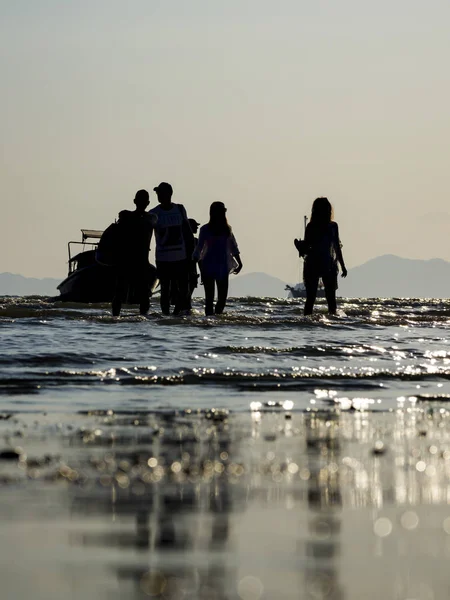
(174, 248)
(134, 272)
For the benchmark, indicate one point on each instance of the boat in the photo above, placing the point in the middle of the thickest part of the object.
(299, 290)
(296, 291)
(89, 281)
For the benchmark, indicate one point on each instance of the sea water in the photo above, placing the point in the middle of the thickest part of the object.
(251, 456)
(377, 354)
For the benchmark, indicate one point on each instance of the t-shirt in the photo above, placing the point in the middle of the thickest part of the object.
(216, 253)
(170, 244)
(134, 232)
(322, 245)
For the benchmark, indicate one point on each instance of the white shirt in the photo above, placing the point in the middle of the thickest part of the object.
(170, 246)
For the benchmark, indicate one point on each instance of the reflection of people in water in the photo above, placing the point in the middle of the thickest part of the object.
(134, 231)
(324, 501)
(193, 275)
(322, 249)
(218, 256)
(174, 247)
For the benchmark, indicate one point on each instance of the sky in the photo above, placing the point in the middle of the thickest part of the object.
(259, 104)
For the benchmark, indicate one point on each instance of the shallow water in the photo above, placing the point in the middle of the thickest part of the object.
(256, 456)
(377, 353)
(179, 505)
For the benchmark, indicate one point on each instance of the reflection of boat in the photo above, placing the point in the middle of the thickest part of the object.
(299, 291)
(88, 280)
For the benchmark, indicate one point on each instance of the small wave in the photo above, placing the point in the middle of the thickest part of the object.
(432, 397)
(269, 322)
(27, 312)
(322, 350)
(42, 317)
(273, 379)
(55, 360)
(263, 313)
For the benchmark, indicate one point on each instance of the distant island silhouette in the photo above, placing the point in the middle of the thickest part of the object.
(12, 284)
(391, 276)
(383, 276)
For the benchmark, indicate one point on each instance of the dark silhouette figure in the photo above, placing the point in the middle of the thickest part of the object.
(174, 247)
(218, 256)
(322, 251)
(134, 272)
(193, 275)
(194, 227)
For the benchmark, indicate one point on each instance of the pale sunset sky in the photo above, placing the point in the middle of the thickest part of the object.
(260, 104)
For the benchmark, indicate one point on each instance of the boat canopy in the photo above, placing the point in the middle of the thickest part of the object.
(91, 233)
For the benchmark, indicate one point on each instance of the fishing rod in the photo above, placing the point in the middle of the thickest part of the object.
(305, 222)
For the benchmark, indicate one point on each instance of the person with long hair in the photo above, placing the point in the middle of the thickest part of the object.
(218, 255)
(323, 254)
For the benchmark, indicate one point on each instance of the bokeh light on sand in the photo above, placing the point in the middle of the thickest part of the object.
(382, 527)
(250, 588)
(194, 500)
(409, 520)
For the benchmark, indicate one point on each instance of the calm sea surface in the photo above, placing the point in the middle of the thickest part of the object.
(377, 354)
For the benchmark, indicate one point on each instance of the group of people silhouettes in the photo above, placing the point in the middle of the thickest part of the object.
(178, 252)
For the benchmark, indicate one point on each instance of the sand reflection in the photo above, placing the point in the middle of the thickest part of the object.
(322, 504)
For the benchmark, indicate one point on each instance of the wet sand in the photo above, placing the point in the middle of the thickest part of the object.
(324, 504)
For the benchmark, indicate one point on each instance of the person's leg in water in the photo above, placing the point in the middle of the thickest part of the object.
(164, 282)
(142, 289)
(330, 285)
(311, 284)
(120, 292)
(222, 294)
(182, 287)
(173, 290)
(189, 297)
(193, 282)
(209, 284)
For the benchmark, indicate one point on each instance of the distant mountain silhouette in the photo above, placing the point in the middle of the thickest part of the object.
(392, 276)
(251, 284)
(385, 276)
(18, 285)
(257, 284)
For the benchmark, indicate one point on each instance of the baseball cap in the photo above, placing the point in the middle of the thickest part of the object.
(163, 187)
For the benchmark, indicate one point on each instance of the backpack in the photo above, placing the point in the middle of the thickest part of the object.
(108, 248)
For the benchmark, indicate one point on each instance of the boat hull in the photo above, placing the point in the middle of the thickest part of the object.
(94, 284)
